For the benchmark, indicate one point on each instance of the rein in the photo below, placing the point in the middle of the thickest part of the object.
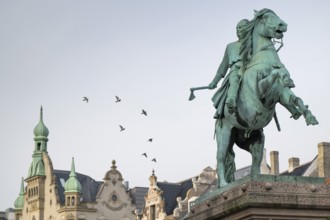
(281, 42)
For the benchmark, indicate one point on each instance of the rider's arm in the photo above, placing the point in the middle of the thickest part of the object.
(222, 70)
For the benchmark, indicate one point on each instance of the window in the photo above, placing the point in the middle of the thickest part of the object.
(72, 201)
(68, 201)
(153, 212)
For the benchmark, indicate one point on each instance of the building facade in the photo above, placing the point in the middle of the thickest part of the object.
(49, 194)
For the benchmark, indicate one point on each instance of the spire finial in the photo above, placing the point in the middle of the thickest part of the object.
(73, 170)
(41, 114)
(72, 184)
(22, 187)
(113, 167)
(41, 130)
(153, 178)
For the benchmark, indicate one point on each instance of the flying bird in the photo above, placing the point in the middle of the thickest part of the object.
(121, 128)
(154, 160)
(85, 99)
(150, 140)
(144, 154)
(118, 99)
(144, 112)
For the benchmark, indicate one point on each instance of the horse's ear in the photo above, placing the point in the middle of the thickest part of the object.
(256, 12)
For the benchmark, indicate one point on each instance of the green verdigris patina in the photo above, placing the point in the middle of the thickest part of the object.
(232, 60)
(263, 82)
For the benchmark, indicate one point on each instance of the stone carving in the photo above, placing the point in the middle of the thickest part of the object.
(302, 198)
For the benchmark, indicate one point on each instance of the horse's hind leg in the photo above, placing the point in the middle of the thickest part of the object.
(224, 142)
(255, 146)
(256, 149)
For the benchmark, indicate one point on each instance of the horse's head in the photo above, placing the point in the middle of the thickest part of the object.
(270, 25)
(258, 32)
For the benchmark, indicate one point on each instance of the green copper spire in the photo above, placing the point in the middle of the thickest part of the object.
(72, 184)
(41, 131)
(19, 202)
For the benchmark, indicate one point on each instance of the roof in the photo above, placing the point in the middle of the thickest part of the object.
(137, 194)
(298, 171)
(242, 172)
(173, 190)
(89, 189)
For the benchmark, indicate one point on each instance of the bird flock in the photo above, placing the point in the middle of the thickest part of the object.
(122, 128)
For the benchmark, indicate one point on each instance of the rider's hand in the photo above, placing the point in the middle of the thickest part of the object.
(212, 85)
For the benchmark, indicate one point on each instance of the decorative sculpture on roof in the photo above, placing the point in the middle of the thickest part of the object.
(246, 100)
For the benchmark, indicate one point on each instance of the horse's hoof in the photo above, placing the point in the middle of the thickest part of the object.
(314, 122)
(311, 121)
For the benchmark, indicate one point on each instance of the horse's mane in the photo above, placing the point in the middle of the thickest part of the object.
(247, 33)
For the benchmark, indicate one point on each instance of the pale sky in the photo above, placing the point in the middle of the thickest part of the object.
(149, 53)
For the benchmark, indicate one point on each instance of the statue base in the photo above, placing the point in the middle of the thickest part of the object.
(265, 197)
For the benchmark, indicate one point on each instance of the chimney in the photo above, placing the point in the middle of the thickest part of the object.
(323, 159)
(293, 163)
(274, 170)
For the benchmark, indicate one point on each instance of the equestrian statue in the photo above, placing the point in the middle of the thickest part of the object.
(256, 81)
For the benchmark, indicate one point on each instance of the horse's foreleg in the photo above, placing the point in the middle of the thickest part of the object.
(297, 107)
(280, 74)
(223, 136)
(286, 99)
(309, 117)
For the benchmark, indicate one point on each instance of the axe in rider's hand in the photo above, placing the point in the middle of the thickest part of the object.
(192, 95)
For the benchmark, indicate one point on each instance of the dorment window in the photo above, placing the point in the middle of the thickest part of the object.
(38, 146)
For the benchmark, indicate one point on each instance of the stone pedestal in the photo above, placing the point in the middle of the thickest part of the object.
(265, 197)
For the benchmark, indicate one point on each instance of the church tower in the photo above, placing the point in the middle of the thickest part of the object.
(35, 188)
